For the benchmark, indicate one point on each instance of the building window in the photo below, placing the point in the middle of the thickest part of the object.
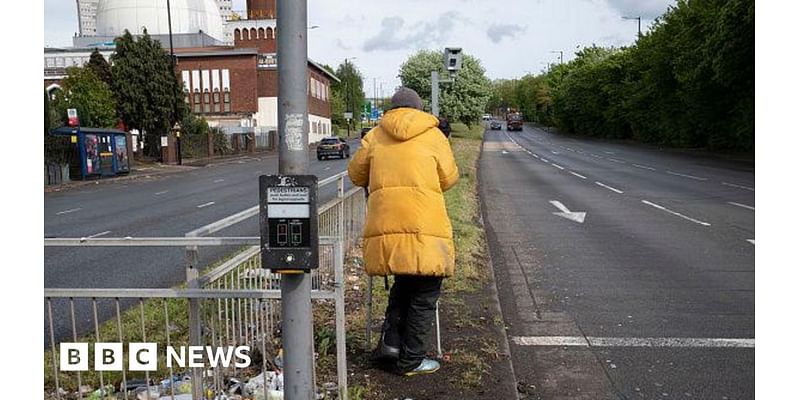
(197, 104)
(217, 107)
(226, 98)
(207, 101)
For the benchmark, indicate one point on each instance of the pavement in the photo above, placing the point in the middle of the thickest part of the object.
(152, 205)
(623, 271)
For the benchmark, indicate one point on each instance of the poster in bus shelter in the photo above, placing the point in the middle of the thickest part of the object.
(92, 156)
(121, 150)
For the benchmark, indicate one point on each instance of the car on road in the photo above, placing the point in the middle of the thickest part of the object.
(364, 132)
(495, 125)
(333, 147)
(487, 117)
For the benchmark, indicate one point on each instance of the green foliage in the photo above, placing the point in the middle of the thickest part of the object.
(56, 148)
(194, 136)
(689, 82)
(463, 100)
(348, 94)
(221, 144)
(90, 96)
(148, 93)
(98, 64)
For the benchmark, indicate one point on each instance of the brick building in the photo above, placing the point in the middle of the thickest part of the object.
(232, 87)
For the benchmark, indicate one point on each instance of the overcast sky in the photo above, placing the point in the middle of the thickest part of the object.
(511, 38)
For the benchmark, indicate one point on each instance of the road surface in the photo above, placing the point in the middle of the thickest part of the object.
(649, 294)
(170, 205)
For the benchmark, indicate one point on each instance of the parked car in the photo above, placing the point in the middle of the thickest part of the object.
(329, 147)
(495, 125)
(487, 117)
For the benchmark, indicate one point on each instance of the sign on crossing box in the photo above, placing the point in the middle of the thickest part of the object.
(288, 221)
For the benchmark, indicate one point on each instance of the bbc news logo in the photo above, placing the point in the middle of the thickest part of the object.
(109, 356)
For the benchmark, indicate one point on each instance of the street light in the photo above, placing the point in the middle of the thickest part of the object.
(639, 19)
(348, 104)
(560, 55)
(175, 102)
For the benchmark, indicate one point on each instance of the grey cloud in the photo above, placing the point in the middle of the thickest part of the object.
(342, 45)
(497, 32)
(394, 35)
(647, 9)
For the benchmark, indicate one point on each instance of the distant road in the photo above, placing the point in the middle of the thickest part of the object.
(624, 272)
(168, 205)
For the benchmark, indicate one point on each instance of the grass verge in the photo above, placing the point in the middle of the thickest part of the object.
(469, 345)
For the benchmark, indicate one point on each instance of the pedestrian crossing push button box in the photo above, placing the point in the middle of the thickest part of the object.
(288, 221)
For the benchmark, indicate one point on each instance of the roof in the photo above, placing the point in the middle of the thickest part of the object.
(324, 70)
(68, 130)
(215, 52)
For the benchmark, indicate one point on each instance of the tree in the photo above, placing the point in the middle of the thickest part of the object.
(148, 93)
(463, 100)
(349, 91)
(90, 96)
(688, 82)
(98, 64)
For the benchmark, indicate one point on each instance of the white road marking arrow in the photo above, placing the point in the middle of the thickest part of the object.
(566, 213)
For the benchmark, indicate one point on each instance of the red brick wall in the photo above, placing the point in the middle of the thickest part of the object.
(261, 39)
(268, 87)
(318, 106)
(261, 9)
(243, 82)
(267, 83)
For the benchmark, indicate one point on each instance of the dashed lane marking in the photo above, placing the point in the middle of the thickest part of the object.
(609, 187)
(643, 167)
(161, 192)
(71, 210)
(544, 159)
(593, 341)
(219, 180)
(662, 208)
(558, 166)
(210, 203)
(577, 174)
(616, 161)
(697, 178)
(733, 203)
(739, 186)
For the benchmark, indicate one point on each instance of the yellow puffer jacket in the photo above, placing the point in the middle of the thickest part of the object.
(407, 163)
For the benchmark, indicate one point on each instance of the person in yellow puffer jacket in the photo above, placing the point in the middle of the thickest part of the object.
(406, 163)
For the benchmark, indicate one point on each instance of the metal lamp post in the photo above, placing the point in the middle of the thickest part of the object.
(639, 19)
(175, 103)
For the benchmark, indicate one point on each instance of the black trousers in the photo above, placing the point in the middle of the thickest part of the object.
(409, 316)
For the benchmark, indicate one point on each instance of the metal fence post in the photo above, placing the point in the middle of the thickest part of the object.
(195, 329)
(368, 322)
(341, 333)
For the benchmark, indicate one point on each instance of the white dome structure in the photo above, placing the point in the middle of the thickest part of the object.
(188, 16)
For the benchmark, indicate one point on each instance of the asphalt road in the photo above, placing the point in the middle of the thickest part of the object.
(160, 206)
(650, 296)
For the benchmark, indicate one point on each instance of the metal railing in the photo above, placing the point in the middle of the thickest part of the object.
(232, 304)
